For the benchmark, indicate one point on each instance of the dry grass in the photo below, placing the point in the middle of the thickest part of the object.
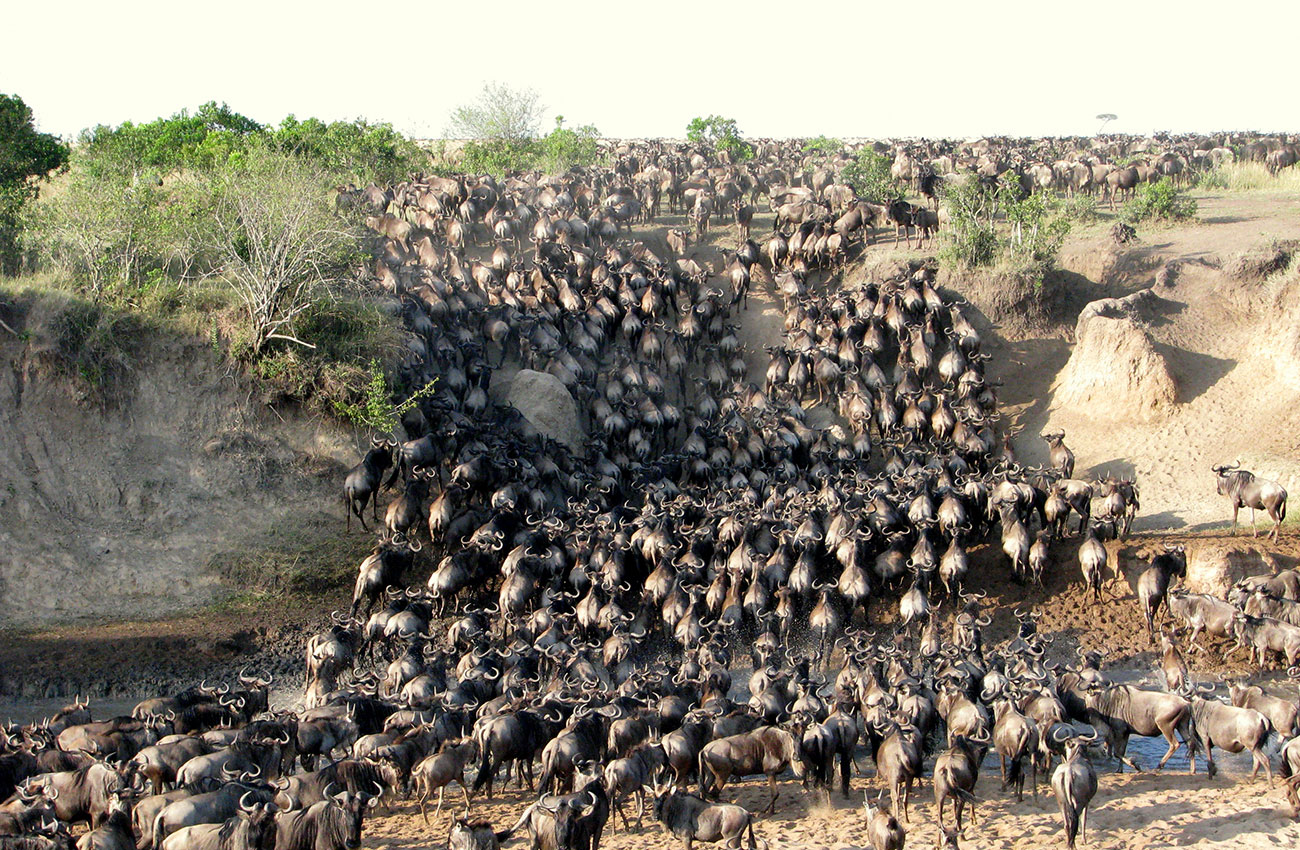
(1249, 177)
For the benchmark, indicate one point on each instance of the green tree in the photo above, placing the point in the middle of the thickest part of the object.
(26, 156)
(722, 133)
(361, 151)
(181, 142)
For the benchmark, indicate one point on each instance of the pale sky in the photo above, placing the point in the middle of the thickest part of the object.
(845, 69)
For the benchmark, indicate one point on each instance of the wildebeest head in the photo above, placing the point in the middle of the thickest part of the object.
(568, 816)
(1230, 478)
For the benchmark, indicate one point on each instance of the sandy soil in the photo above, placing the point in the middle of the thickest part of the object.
(1129, 811)
(1209, 327)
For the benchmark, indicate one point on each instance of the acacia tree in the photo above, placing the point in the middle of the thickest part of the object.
(277, 240)
(26, 155)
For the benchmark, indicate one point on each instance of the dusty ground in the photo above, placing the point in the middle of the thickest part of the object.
(1236, 398)
(1129, 811)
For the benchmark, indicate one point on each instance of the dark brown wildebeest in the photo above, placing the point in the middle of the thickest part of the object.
(768, 750)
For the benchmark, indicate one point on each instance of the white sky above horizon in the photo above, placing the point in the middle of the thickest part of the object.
(844, 69)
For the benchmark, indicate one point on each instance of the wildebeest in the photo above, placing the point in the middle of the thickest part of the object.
(473, 835)
(363, 481)
(691, 819)
(883, 829)
(1202, 613)
(209, 807)
(1244, 490)
(1231, 728)
(631, 775)
(955, 773)
(1075, 783)
(1265, 635)
(768, 750)
(1062, 458)
(1282, 713)
(331, 824)
(441, 769)
(115, 832)
(81, 795)
(1153, 584)
(251, 829)
(1126, 710)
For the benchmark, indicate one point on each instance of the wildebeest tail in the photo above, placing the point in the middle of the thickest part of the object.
(1015, 773)
(485, 763)
(1071, 818)
(1272, 744)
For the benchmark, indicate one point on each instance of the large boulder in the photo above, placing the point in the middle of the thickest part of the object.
(545, 402)
(1115, 371)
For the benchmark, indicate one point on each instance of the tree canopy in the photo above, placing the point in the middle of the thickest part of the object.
(24, 151)
(498, 113)
(26, 155)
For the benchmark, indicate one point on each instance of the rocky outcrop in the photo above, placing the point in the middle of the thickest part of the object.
(1115, 371)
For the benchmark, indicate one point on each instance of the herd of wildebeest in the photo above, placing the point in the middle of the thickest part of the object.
(700, 585)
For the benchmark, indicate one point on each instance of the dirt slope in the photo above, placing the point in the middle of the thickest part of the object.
(1236, 393)
(124, 509)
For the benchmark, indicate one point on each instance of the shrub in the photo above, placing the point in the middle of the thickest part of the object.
(823, 145)
(869, 176)
(1081, 208)
(563, 148)
(376, 411)
(722, 133)
(1160, 200)
(972, 238)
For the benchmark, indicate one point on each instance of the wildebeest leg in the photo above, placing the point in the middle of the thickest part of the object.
(1253, 529)
(464, 788)
(771, 784)
(1168, 732)
(1235, 509)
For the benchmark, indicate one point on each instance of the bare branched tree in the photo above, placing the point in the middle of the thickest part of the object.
(279, 241)
(500, 112)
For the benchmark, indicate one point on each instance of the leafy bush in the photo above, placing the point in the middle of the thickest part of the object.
(722, 134)
(1160, 200)
(102, 231)
(1034, 233)
(563, 148)
(499, 113)
(869, 176)
(823, 145)
(349, 150)
(377, 412)
(499, 156)
(363, 151)
(972, 238)
(1081, 208)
